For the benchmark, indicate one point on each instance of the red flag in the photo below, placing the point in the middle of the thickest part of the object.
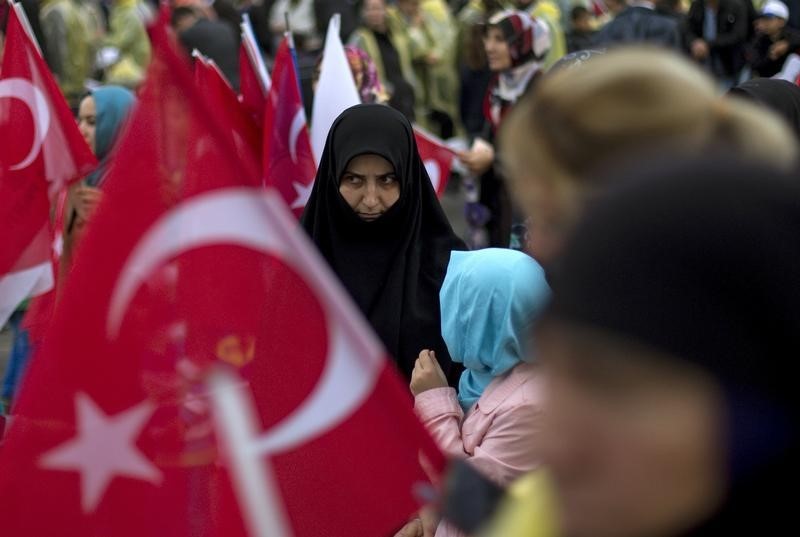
(288, 161)
(220, 95)
(328, 435)
(254, 82)
(111, 434)
(42, 151)
(190, 264)
(437, 157)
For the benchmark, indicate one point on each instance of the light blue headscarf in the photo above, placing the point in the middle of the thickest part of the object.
(112, 105)
(489, 300)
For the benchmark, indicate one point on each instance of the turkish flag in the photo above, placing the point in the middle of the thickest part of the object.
(191, 266)
(288, 160)
(219, 94)
(437, 158)
(42, 151)
(254, 81)
(112, 434)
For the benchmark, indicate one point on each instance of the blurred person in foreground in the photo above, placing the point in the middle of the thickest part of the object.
(670, 407)
(612, 107)
(780, 96)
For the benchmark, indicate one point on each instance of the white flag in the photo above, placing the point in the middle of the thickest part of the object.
(336, 90)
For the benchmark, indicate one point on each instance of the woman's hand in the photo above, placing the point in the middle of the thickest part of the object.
(427, 374)
(86, 201)
(423, 526)
(412, 529)
(479, 159)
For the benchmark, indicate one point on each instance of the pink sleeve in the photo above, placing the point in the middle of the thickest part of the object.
(507, 450)
(440, 412)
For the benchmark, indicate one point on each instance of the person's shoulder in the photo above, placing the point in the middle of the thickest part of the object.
(520, 391)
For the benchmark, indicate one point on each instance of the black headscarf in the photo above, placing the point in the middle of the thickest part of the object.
(781, 96)
(701, 259)
(394, 266)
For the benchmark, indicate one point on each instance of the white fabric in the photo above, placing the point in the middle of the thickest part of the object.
(336, 90)
(17, 286)
(775, 8)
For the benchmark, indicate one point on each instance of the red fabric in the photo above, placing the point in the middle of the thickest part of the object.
(437, 157)
(30, 178)
(253, 95)
(219, 93)
(289, 164)
(176, 149)
(113, 433)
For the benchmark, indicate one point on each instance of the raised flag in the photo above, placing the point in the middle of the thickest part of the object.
(41, 153)
(190, 266)
(437, 158)
(111, 432)
(254, 80)
(220, 95)
(336, 89)
(309, 442)
(288, 161)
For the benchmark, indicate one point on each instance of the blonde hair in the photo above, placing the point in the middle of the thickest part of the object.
(626, 101)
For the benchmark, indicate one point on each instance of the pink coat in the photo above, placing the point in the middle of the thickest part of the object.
(497, 436)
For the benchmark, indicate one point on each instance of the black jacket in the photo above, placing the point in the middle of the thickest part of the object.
(640, 25)
(732, 30)
(758, 52)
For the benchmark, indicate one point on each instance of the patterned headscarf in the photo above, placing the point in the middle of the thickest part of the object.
(528, 38)
(365, 72)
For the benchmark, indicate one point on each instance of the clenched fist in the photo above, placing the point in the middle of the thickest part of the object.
(427, 374)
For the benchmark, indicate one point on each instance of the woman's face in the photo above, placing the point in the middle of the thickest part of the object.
(633, 438)
(374, 14)
(369, 186)
(87, 119)
(497, 53)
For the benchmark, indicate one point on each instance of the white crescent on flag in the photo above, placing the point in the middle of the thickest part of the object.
(242, 216)
(22, 89)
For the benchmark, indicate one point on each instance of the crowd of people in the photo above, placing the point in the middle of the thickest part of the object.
(619, 342)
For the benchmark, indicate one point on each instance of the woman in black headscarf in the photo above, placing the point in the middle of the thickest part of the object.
(781, 96)
(375, 217)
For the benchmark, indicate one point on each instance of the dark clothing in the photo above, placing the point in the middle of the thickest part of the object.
(324, 9)
(640, 25)
(727, 49)
(781, 96)
(393, 267)
(215, 40)
(699, 260)
(402, 92)
(580, 41)
(495, 195)
(758, 52)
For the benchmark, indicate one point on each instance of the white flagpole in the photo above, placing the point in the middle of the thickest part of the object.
(250, 45)
(253, 479)
(23, 18)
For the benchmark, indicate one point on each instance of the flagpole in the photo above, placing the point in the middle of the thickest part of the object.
(253, 478)
(23, 18)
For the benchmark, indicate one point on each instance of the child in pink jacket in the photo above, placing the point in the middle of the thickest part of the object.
(489, 300)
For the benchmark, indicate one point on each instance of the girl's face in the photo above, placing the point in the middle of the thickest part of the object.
(87, 119)
(633, 438)
(497, 52)
(369, 186)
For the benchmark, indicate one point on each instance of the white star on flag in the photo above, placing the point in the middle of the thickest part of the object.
(303, 193)
(103, 448)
